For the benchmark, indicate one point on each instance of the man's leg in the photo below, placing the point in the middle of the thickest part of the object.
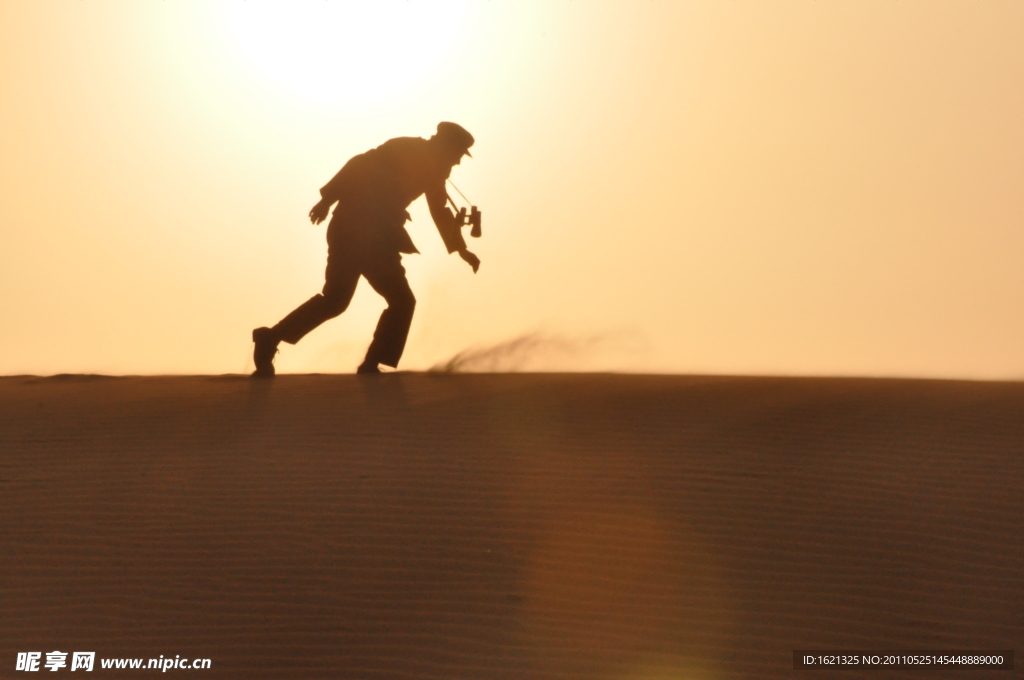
(311, 314)
(341, 278)
(387, 276)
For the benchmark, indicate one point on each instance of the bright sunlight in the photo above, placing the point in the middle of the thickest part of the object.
(344, 51)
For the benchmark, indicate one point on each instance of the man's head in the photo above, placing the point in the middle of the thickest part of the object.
(454, 141)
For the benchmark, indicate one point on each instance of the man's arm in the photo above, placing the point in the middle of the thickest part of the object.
(448, 227)
(319, 212)
(329, 193)
(336, 189)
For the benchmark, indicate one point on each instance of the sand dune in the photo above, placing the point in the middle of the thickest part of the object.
(509, 526)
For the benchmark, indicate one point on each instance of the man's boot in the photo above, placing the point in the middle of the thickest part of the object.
(368, 368)
(263, 354)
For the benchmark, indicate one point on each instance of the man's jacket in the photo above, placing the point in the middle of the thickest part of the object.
(374, 189)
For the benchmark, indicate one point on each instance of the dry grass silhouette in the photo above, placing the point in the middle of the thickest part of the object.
(537, 349)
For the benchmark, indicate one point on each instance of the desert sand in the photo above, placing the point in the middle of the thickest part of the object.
(419, 525)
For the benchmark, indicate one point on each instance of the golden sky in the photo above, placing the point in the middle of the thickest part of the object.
(801, 188)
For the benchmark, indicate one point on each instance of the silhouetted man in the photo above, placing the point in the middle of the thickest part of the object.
(366, 237)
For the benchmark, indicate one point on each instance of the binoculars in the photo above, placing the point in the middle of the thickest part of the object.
(472, 218)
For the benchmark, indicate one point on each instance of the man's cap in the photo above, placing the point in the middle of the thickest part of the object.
(456, 136)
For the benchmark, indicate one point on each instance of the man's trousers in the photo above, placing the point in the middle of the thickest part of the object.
(347, 260)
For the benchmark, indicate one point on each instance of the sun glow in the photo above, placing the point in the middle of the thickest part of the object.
(344, 52)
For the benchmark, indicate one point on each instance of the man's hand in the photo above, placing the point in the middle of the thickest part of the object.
(470, 258)
(319, 212)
